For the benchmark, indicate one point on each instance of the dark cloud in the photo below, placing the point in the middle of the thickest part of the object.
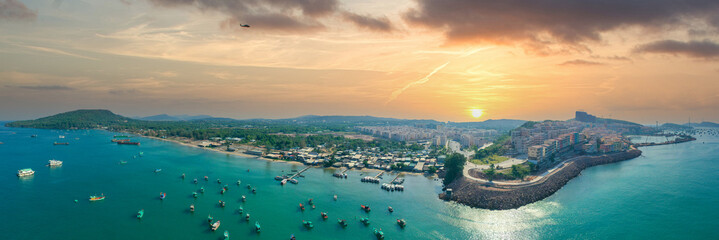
(376, 24)
(44, 87)
(542, 22)
(697, 49)
(279, 15)
(272, 15)
(580, 62)
(13, 10)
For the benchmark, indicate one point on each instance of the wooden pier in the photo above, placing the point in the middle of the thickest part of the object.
(298, 173)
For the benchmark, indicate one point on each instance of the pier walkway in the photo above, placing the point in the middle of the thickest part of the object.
(298, 173)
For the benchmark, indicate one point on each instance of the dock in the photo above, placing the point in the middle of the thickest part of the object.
(341, 174)
(379, 174)
(298, 173)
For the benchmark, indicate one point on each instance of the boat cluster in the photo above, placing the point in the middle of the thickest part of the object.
(370, 179)
(392, 187)
(284, 179)
(340, 175)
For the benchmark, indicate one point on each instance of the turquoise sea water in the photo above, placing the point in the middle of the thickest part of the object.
(671, 192)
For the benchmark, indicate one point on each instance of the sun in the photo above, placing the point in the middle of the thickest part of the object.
(476, 113)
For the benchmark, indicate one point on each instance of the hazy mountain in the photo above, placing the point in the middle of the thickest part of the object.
(703, 124)
(165, 117)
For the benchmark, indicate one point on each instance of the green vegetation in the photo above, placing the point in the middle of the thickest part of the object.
(79, 119)
(454, 165)
(490, 173)
(493, 159)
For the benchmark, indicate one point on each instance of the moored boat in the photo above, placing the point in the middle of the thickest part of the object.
(365, 221)
(390, 209)
(257, 226)
(192, 207)
(209, 218)
(240, 210)
(227, 235)
(365, 208)
(254, 190)
(119, 140)
(244, 198)
(302, 207)
(293, 181)
(215, 225)
(158, 170)
(335, 197)
(54, 163)
(247, 217)
(61, 143)
(379, 234)
(222, 203)
(342, 222)
(162, 196)
(183, 176)
(401, 223)
(283, 182)
(308, 224)
(128, 143)
(194, 194)
(238, 182)
(202, 189)
(140, 213)
(195, 181)
(25, 172)
(324, 215)
(123, 162)
(97, 198)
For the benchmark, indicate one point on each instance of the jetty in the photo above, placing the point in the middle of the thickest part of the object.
(298, 173)
(341, 174)
(374, 179)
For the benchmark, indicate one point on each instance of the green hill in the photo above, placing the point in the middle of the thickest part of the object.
(78, 119)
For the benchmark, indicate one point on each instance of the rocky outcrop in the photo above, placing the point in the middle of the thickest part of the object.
(472, 193)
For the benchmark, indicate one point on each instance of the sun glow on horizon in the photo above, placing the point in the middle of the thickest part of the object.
(476, 113)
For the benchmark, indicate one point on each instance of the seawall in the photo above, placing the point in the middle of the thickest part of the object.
(474, 194)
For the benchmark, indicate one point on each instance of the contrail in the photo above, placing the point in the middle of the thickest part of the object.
(421, 81)
(396, 93)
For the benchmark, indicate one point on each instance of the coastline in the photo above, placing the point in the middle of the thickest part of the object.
(476, 194)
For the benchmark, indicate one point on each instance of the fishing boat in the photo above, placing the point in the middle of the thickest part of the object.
(309, 201)
(313, 206)
(205, 178)
(390, 209)
(401, 223)
(226, 187)
(335, 197)
(140, 213)
(379, 234)
(342, 222)
(123, 162)
(54, 163)
(238, 182)
(61, 136)
(209, 218)
(97, 198)
(293, 181)
(25, 172)
(215, 225)
(195, 181)
(244, 198)
(119, 140)
(278, 178)
(128, 143)
(257, 226)
(292, 237)
(202, 189)
(192, 207)
(227, 235)
(218, 181)
(302, 207)
(120, 136)
(283, 182)
(254, 190)
(308, 224)
(183, 176)
(247, 217)
(248, 186)
(33, 136)
(240, 210)
(324, 215)
(158, 170)
(61, 143)
(365, 221)
(222, 203)
(194, 194)
(162, 196)
(222, 191)
(365, 208)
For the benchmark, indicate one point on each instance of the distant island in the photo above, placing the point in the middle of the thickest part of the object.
(494, 164)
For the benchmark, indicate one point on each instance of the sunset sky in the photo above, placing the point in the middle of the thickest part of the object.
(642, 61)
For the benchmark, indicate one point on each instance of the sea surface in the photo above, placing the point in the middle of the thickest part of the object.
(670, 192)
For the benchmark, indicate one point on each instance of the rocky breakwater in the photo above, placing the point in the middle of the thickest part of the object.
(475, 194)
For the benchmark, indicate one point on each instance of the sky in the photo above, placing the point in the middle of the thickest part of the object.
(643, 61)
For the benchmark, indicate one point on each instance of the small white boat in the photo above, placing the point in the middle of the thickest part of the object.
(25, 172)
(215, 225)
(54, 163)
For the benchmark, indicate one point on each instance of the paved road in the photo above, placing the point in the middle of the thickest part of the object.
(509, 163)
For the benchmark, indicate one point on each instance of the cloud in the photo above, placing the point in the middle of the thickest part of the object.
(44, 87)
(697, 49)
(270, 15)
(381, 24)
(543, 23)
(580, 62)
(13, 10)
(423, 80)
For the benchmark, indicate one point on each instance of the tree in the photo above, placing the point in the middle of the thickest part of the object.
(432, 169)
(490, 172)
(454, 165)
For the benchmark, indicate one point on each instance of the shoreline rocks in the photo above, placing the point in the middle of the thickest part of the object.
(475, 194)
